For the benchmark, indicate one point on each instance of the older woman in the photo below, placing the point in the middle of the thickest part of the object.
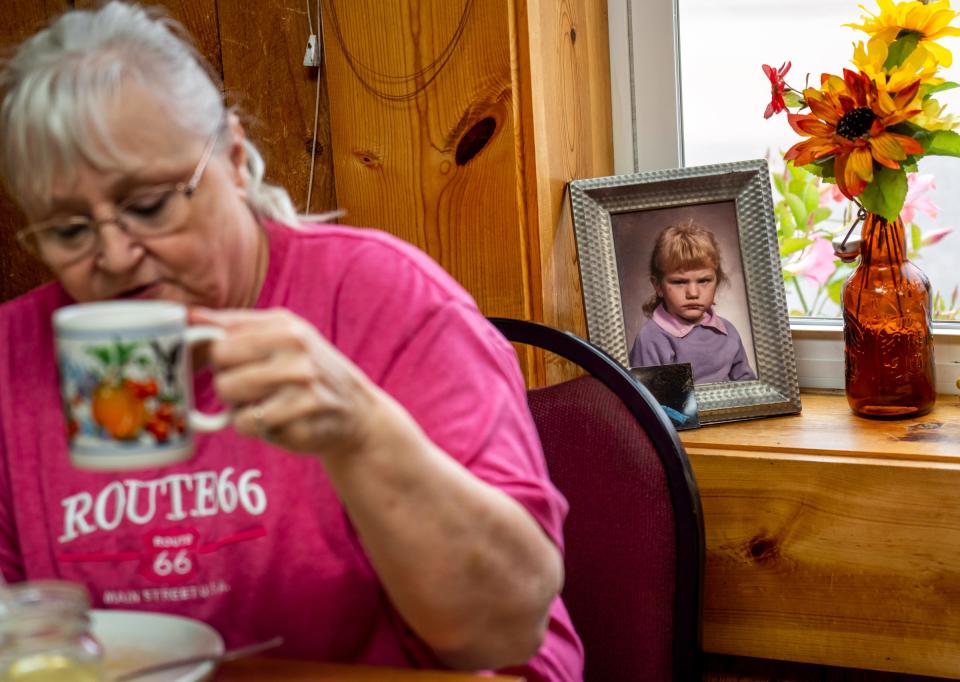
(415, 525)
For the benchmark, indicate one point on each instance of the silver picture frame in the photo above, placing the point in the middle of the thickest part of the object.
(621, 210)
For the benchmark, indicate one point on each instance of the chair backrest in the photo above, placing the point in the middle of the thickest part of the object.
(634, 534)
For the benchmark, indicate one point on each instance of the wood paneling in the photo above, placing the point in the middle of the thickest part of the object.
(18, 271)
(198, 17)
(497, 222)
(736, 669)
(561, 53)
(833, 539)
(565, 86)
(262, 47)
(396, 159)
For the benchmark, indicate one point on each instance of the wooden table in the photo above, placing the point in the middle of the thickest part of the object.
(281, 670)
(833, 539)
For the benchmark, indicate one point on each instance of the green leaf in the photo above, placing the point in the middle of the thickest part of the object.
(799, 179)
(125, 352)
(886, 193)
(797, 209)
(794, 244)
(943, 143)
(901, 48)
(928, 90)
(793, 100)
(778, 183)
(915, 237)
(820, 214)
(811, 198)
(822, 168)
(909, 129)
(101, 354)
(785, 225)
(835, 290)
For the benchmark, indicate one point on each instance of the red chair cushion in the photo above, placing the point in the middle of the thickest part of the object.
(620, 552)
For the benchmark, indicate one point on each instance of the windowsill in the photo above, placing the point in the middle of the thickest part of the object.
(819, 351)
(832, 539)
(832, 326)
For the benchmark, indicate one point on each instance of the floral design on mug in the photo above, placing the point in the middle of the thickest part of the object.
(125, 391)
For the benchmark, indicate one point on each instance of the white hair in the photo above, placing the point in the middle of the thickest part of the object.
(57, 84)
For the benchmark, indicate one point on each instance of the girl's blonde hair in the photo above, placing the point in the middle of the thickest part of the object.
(682, 246)
(57, 84)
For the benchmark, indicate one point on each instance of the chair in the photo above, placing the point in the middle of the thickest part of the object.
(634, 542)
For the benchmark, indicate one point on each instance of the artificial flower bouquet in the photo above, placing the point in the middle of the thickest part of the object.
(807, 221)
(867, 129)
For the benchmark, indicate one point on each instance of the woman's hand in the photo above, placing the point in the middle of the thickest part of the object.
(442, 541)
(287, 384)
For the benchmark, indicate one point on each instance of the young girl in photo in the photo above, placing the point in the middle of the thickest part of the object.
(685, 271)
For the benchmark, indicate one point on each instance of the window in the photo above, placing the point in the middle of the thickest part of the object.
(688, 90)
(723, 42)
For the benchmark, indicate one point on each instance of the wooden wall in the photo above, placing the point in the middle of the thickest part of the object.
(19, 272)
(257, 48)
(426, 149)
(469, 158)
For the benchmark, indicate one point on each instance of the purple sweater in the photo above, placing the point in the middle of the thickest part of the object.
(714, 355)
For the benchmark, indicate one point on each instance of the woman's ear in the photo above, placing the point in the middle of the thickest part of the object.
(237, 153)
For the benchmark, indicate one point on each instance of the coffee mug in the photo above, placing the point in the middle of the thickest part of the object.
(126, 383)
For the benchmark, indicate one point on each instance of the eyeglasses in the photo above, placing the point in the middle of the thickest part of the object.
(62, 241)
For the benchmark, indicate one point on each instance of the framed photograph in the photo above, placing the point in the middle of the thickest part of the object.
(725, 312)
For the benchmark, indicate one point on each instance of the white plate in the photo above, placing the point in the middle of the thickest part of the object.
(134, 639)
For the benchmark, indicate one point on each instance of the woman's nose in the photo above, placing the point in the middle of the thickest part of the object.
(117, 251)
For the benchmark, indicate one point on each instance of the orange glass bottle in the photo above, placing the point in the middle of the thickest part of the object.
(886, 328)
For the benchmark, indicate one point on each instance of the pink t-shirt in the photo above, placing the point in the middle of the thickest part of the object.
(252, 539)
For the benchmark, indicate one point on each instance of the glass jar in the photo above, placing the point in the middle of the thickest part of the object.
(45, 634)
(888, 345)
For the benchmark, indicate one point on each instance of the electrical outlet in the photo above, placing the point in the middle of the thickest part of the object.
(311, 56)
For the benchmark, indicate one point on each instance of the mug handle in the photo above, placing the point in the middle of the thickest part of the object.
(201, 421)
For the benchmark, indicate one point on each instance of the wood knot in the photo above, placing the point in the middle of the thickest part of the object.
(475, 139)
(763, 550)
(308, 145)
(928, 432)
(367, 158)
(573, 35)
(925, 426)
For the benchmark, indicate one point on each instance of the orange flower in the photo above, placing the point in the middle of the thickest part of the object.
(849, 120)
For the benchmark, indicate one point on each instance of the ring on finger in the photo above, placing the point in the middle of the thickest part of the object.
(259, 423)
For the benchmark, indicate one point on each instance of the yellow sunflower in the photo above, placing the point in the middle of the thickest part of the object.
(917, 66)
(849, 119)
(930, 21)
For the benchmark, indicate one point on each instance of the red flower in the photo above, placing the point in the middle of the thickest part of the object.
(777, 86)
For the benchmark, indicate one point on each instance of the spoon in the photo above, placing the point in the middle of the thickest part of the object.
(231, 655)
